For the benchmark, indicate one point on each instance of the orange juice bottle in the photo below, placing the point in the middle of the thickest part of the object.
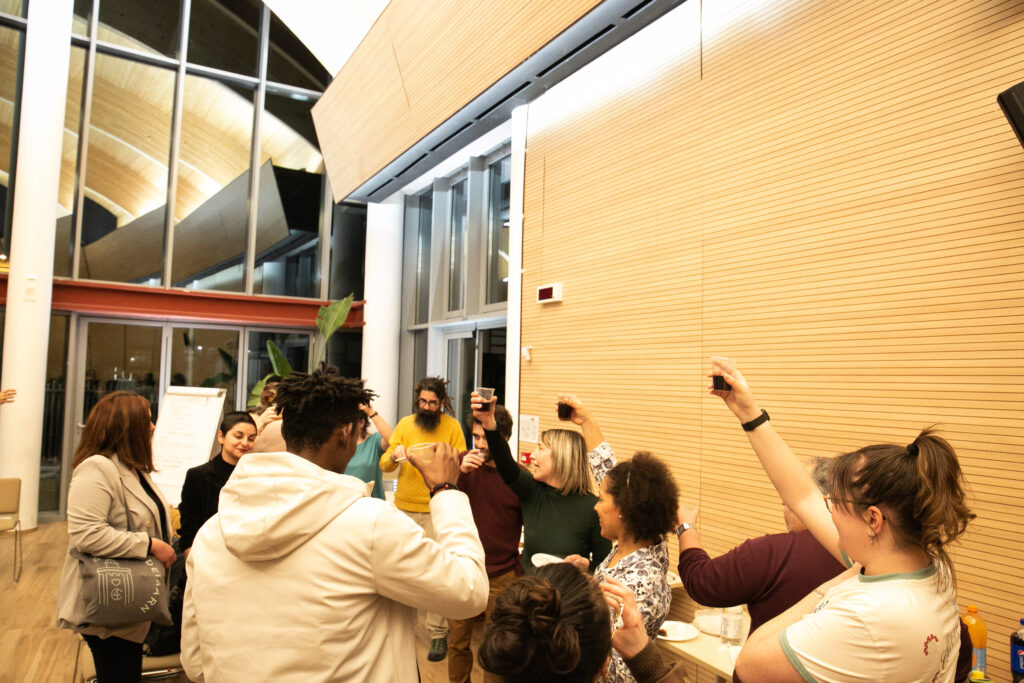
(979, 635)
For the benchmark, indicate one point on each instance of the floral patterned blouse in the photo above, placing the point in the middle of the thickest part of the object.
(645, 572)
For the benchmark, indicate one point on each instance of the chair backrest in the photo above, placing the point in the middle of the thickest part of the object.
(10, 497)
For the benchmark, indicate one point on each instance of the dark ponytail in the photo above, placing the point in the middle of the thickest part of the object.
(552, 626)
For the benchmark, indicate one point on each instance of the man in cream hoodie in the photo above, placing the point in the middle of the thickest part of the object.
(301, 576)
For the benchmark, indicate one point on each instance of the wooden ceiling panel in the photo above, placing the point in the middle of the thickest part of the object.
(420, 64)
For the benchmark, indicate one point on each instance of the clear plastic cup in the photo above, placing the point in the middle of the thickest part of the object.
(424, 452)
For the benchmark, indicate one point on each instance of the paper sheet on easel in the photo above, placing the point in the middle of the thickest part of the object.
(184, 435)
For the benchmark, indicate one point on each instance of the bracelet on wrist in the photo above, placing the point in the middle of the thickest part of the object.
(373, 416)
(756, 422)
(445, 486)
(685, 526)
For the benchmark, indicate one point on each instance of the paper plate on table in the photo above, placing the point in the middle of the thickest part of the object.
(678, 631)
(541, 559)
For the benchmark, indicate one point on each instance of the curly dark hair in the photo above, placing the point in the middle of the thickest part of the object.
(502, 419)
(553, 626)
(438, 385)
(313, 405)
(647, 496)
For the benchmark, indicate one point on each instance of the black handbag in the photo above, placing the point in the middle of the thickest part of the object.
(118, 590)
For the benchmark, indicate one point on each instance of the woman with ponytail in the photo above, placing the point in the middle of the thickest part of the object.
(891, 513)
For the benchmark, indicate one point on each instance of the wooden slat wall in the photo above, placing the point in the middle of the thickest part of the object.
(420, 63)
(829, 192)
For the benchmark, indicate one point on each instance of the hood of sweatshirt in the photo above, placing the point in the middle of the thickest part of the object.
(275, 502)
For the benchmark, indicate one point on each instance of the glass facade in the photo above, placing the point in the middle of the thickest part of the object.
(162, 138)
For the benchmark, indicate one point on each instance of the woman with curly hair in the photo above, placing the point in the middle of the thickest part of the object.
(636, 507)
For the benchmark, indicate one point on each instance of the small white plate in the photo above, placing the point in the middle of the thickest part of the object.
(541, 559)
(678, 631)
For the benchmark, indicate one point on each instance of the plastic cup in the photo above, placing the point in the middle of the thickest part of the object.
(424, 452)
(486, 393)
(720, 363)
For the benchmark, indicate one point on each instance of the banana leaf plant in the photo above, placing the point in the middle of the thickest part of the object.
(328, 319)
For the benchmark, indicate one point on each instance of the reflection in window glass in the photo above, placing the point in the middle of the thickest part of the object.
(142, 25)
(499, 183)
(202, 357)
(295, 346)
(456, 245)
(419, 357)
(121, 358)
(211, 207)
(225, 35)
(10, 43)
(290, 200)
(424, 215)
(126, 171)
(64, 245)
(492, 360)
(53, 415)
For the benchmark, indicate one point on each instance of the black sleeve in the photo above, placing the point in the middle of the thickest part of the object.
(502, 456)
(599, 545)
(193, 499)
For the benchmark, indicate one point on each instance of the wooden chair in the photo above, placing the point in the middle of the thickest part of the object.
(10, 504)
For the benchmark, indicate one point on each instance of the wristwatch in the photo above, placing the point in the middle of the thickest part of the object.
(681, 528)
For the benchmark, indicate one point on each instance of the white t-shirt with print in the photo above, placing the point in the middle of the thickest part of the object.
(891, 627)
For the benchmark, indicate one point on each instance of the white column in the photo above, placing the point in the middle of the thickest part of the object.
(383, 292)
(514, 324)
(30, 283)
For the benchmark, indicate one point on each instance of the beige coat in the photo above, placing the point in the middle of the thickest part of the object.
(97, 525)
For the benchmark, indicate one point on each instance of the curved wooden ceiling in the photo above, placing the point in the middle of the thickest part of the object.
(129, 132)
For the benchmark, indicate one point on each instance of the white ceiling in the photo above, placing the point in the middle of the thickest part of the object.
(330, 29)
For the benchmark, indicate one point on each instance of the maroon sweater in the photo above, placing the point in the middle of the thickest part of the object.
(498, 517)
(770, 574)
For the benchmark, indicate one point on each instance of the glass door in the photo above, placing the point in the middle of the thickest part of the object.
(473, 358)
(120, 357)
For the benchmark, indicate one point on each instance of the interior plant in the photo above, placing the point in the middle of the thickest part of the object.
(328, 319)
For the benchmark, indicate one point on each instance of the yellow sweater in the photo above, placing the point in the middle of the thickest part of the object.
(412, 494)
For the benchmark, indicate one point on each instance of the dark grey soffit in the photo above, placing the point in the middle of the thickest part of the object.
(592, 35)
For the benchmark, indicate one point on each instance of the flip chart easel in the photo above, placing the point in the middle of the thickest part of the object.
(184, 435)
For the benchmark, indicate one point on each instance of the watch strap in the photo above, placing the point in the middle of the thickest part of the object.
(757, 421)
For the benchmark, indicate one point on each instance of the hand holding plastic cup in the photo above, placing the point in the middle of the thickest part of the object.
(718, 364)
(424, 452)
(486, 394)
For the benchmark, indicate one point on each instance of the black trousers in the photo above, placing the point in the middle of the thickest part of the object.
(117, 660)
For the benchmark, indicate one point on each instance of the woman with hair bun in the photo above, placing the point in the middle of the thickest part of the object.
(555, 626)
(636, 507)
(892, 510)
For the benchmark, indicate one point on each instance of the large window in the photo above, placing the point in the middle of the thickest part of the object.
(186, 163)
(455, 278)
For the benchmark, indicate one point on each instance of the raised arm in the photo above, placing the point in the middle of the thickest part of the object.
(600, 455)
(787, 473)
(382, 426)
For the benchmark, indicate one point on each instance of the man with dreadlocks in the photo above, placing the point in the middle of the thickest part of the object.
(303, 576)
(427, 424)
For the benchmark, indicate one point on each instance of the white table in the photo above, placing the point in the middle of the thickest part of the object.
(706, 651)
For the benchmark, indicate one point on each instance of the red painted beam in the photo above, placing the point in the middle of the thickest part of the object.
(156, 303)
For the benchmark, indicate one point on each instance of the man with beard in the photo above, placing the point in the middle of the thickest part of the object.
(499, 521)
(427, 424)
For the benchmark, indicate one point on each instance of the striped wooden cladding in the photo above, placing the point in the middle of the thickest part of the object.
(829, 192)
(419, 64)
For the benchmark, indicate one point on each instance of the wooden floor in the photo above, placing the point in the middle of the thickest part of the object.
(33, 649)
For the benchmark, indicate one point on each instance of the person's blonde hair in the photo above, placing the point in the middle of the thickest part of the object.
(569, 461)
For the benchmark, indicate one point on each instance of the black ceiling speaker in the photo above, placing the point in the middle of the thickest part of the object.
(1012, 102)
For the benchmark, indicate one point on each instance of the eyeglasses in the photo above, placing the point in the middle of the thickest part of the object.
(830, 501)
(429, 404)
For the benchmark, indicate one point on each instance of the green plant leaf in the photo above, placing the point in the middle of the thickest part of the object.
(257, 391)
(278, 361)
(328, 319)
(229, 361)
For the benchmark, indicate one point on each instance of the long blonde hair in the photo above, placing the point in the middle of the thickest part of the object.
(569, 461)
